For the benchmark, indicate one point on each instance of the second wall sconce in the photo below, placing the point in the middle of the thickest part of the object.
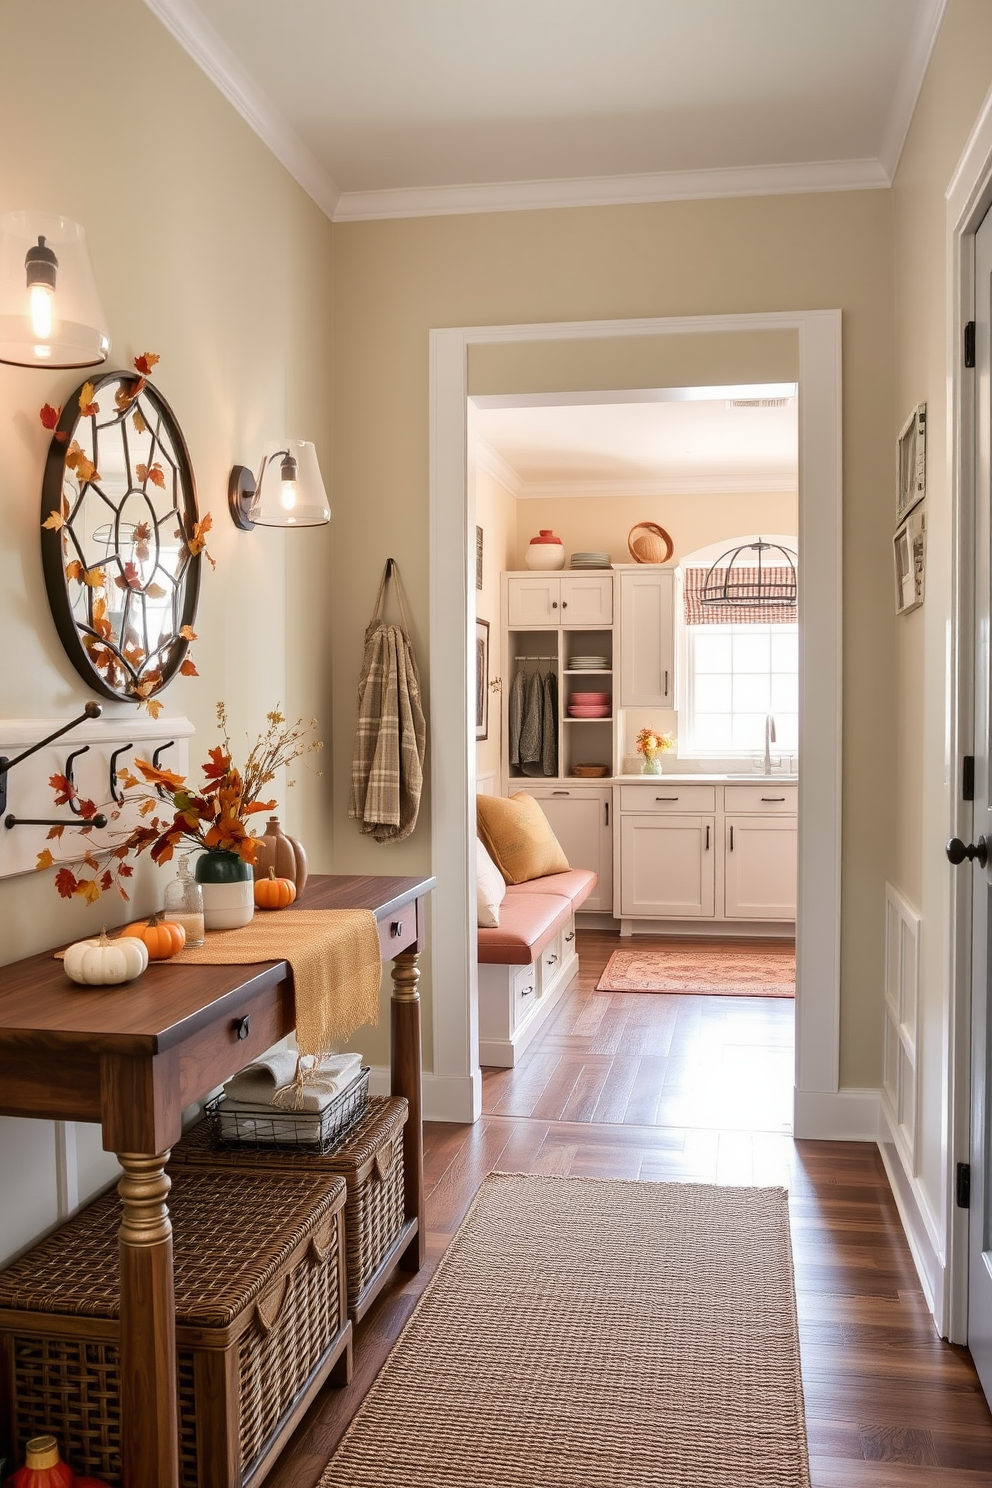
(288, 491)
(50, 312)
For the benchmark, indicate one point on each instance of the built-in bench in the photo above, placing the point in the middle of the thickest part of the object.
(526, 962)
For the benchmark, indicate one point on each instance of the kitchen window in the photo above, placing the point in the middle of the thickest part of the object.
(735, 677)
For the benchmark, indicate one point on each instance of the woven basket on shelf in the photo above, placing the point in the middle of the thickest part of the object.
(370, 1159)
(260, 1323)
(649, 543)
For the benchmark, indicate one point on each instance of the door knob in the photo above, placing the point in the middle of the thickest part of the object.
(957, 851)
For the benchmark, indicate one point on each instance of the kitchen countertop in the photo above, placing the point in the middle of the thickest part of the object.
(749, 777)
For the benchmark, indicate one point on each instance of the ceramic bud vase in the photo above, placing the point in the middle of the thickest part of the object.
(228, 890)
(651, 765)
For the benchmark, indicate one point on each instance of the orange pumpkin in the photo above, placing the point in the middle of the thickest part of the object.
(162, 938)
(274, 893)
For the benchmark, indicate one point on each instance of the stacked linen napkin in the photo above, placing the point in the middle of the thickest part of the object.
(285, 1082)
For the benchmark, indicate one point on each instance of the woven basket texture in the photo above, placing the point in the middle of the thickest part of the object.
(370, 1159)
(257, 1264)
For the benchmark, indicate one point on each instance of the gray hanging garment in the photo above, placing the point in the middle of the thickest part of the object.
(549, 729)
(387, 770)
(515, 716)
(532, 726)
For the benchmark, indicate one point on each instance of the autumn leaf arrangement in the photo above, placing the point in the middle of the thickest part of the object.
(176, 815)
(128, 656)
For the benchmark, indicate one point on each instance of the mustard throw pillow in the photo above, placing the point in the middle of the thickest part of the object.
(518, 837)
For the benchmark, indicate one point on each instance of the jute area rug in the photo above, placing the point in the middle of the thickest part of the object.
(585, 1333)
(733, 972)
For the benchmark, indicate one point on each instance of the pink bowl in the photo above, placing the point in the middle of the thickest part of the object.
(599, 710)
(588, 697)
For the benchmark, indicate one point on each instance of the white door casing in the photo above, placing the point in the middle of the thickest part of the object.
(455, 1088)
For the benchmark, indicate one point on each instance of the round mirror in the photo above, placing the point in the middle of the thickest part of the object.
(119, 542)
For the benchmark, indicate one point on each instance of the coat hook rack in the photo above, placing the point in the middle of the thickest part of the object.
(156, 758)
(10, 820)
(91, 710)
(115, 791)
(74, 805)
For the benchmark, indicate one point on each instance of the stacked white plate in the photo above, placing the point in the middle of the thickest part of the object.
(590, 560)
(589, 663)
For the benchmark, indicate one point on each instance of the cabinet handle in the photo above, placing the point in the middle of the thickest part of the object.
(564, 604)
(526, 991)
(554, 604)
(707, 839)
(569, 937)
(666, 684)
(561, 793)
(773, 798)
(551, 959)
(731, 839)
(606, 808)
(666, 798)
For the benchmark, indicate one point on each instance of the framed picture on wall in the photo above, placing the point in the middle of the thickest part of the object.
(911, 462)
(478, 557)
(482, 679)
(910, 553)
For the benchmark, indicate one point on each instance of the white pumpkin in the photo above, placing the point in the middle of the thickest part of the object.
(106, 963)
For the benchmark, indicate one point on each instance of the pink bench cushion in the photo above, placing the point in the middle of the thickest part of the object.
(526, 923)
(577, 884)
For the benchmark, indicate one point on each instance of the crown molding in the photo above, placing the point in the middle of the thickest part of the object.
(606, 191)
(187, 24)
(493, 463)
(922, 40)
(662, 485)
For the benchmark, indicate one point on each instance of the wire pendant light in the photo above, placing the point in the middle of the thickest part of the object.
(757, 574)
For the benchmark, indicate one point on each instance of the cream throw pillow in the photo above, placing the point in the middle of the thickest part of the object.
(519, 837)
(490, 888)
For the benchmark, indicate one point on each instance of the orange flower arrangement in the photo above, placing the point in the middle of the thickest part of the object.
(215, 817)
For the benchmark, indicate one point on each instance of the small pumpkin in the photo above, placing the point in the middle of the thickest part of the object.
(283, 853)
(161, 938)
(105, 963)
(274, 893)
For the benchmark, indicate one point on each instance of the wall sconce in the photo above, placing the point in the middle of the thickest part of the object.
(50, 312)
(289, 491)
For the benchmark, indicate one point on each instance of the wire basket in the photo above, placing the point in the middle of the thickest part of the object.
(272, 1129)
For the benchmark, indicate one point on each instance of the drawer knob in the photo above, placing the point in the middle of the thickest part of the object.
(396, 929)
(570, 936)
(526, 991)
(242, 1027)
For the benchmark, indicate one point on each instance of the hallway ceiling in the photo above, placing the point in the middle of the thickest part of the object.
(391, 108)
(669, 442)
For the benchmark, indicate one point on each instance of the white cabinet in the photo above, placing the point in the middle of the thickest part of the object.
(760, 877)
(572, 599)
(667, 867)
(580, 817)
(647, 638)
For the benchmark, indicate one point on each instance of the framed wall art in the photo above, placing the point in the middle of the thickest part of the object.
(482, 679)
(909, 547)
(478, 557)
(911, 462)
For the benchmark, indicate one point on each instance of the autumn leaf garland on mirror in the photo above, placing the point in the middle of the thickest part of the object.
(121, 536)
(176, 815)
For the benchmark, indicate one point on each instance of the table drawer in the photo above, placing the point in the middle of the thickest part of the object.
(769, 799)
(661, 797)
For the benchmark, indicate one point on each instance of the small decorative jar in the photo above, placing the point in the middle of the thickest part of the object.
(43, 1467)
(651, 765)
(545, 551)
(228, 887)
(184, 904)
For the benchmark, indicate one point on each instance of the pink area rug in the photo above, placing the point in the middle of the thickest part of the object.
(712, 970)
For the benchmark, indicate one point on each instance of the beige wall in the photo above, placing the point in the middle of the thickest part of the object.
(395, 280)
(926, 781)
(207, 253)
(496, 514)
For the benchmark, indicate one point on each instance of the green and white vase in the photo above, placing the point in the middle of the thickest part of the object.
(651, 765)
(228, 886)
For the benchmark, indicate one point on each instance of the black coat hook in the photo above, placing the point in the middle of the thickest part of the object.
(74, 805)
(91, 710)
(156, 757)
(115, 791)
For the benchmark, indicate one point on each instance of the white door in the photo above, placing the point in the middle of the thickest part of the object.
(980, 1216)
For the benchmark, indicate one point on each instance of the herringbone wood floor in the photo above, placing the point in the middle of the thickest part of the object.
(699, 1089)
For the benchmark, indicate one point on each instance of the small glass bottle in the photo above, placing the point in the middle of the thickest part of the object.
(184, 904)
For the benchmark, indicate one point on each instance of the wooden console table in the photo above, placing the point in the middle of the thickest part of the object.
(132, 1058)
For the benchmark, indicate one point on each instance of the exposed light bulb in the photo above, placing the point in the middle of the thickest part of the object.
(41, 298)
(287, 483)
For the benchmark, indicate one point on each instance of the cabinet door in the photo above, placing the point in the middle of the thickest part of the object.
(647, 639)
(533, 599)
(587, 599)
(761, 868)
(667, 867)
(581, 820)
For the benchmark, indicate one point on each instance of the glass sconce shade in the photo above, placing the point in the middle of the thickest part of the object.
(288, 492)
(50, 312)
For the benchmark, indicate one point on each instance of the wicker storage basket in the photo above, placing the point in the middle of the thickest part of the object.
(370, 1159)
(260, 1323)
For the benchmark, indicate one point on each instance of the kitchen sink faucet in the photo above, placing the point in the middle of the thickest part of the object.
(769, 741)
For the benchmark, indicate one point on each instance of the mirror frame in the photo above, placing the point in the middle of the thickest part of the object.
(57, 549)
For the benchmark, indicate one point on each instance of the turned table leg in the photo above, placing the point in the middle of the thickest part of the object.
(406, 1080)
(149, 1429)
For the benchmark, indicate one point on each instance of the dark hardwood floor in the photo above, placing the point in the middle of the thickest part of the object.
(642, 1085)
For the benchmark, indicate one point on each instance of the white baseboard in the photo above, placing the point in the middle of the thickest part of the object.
(917, 1220)
(446, 1097)
(837, 1116)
